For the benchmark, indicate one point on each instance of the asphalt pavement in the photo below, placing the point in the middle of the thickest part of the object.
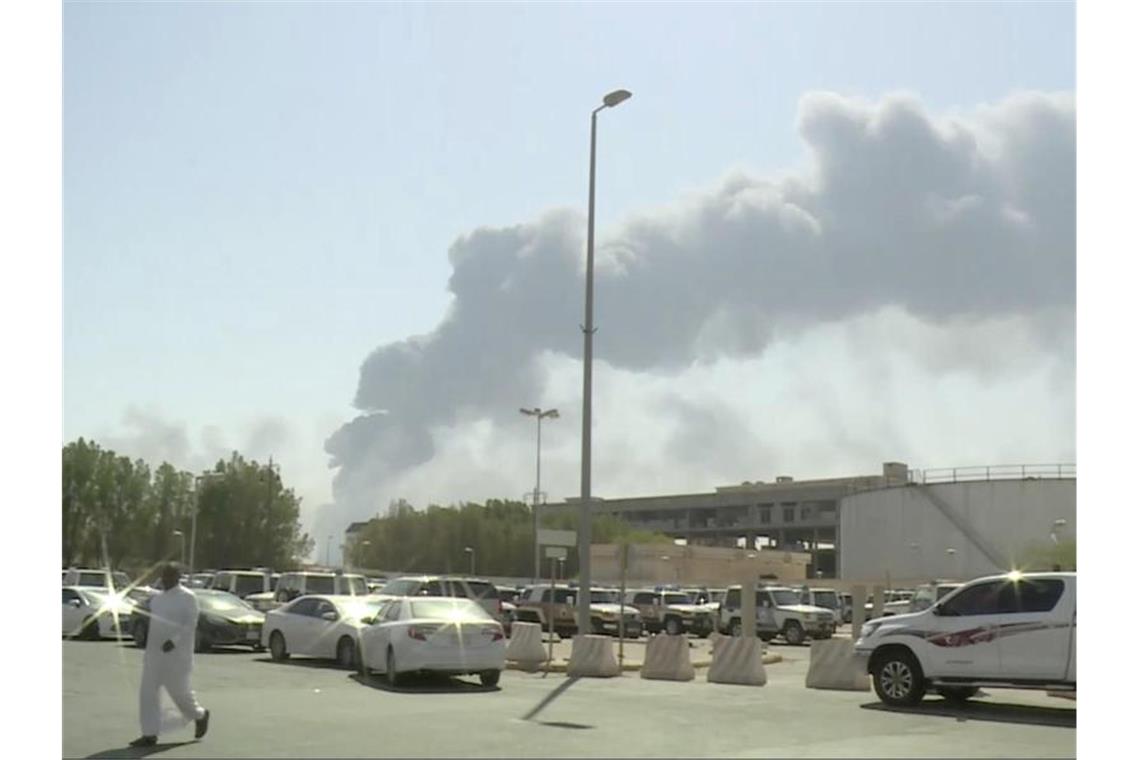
(306, 708)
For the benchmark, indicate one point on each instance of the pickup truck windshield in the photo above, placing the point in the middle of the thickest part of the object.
(784, 597)
(677, 599)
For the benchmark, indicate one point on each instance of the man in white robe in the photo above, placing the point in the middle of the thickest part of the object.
(168, 662)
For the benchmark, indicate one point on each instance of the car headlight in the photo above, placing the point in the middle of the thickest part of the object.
(869, 628)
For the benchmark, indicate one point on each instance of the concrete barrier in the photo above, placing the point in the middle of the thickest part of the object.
(833, 666)
(593, 656)
(525, 646)
(667, 659)
(738, 660)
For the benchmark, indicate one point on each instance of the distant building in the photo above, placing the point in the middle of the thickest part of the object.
(902, 523)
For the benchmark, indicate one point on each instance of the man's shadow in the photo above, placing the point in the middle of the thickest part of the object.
(127, 752)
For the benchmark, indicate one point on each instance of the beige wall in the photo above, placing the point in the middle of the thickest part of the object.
(693, 565)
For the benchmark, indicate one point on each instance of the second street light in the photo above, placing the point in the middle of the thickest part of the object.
(471, 551)
(609, 101)
(539, 415)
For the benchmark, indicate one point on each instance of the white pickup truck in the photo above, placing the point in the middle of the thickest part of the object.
(1015, 631)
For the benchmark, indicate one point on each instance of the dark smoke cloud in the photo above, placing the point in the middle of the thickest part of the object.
(948, 219)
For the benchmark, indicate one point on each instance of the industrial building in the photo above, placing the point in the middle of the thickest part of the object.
(900, 523)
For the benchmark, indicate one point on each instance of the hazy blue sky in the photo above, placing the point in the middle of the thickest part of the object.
(257, 195)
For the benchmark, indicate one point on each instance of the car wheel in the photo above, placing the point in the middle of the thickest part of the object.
(793, 633)
(898, 678)
(735, 628)
(673, 627)
(390, 672)
(489, 678)
(86, 629)
(138, 633)
(277, 648)
(767, 636)
(346, 653)
(596, 628)
(957, 694)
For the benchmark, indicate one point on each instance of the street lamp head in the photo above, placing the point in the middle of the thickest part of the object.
(551, 413)
(1060, 523)
(529, 412)
(468, 549)
(616, 97)
(176, 533)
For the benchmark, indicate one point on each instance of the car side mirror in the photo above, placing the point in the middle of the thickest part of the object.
(329, 616)
(367, 620)
(73, 603)
(936, 610)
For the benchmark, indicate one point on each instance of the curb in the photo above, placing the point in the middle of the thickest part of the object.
(560, 665)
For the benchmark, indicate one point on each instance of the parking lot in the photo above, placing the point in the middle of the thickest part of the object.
(301, 708)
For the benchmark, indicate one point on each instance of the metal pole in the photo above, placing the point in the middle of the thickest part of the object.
(584, 527)
(550, 617)
(621, 605)
(194, 521)
(534, 503)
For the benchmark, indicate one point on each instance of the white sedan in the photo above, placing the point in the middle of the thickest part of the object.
(327, 627)
(95, 614)
(440, 634)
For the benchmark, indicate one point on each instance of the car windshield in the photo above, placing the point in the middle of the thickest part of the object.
(223, 603)
(828, 599)
(94, 580)
(603, 597)
(784, 597)
(320, 584)
(399, 587)
(354, 585)
(944, 590)
(677, 599)
(361, 609)
(448, 609)
(482, 590)
(249, 583)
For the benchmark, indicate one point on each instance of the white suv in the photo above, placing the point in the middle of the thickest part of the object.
(1016, 630)
(779, 613)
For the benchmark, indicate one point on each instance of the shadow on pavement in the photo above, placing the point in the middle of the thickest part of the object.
(562, 724)
(1060, 717)
(426, 683)
(570, 681)
(302, 662)
(137, 751)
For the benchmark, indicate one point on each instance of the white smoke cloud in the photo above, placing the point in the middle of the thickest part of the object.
(905, 296)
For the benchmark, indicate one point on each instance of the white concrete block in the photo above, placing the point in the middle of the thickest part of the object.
(833, 666)
(738, 660)
(593, 656)
(667, 659)
(525, 646)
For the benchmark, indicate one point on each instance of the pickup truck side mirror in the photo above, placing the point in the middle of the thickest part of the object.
(937, 610)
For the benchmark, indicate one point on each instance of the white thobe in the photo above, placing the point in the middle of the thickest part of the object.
(174, 618)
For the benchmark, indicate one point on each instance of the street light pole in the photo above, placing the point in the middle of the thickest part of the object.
(182, 544)
(471, 551)
(328, 551)
(538, 415)
(584, 528)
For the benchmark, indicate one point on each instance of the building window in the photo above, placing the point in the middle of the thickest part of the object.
(805, 512)
(765, 515)
(789, 514)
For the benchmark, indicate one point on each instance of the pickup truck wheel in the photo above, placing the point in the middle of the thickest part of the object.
(898, 678)
(673, 627)
(793, 633)
(957, 694)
